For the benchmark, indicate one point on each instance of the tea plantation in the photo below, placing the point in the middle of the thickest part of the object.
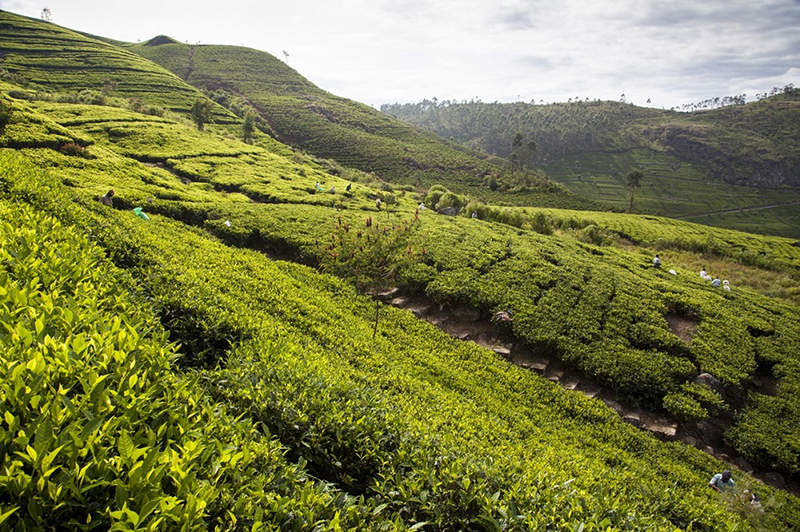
(734, 167)
(166, 373)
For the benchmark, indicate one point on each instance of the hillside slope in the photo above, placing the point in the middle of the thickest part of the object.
(696, 164)
(43, 57)
(333, 427)
(355, 135)
(162, 370)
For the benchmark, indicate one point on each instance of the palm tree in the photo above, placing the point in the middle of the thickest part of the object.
(633, 180)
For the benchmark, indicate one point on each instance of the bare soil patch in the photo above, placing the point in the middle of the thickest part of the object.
(681, 326)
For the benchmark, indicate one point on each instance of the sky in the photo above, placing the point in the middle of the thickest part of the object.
(671, 52)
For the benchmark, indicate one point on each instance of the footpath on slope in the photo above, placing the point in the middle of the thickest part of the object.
(470, 324)
(473, 325)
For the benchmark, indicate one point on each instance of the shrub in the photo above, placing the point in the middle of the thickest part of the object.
(591, 234)
(433, 195)
(449, 199)
(92, 97)
(684, 408)
(6, 110)
(542, 224)
(709, 398)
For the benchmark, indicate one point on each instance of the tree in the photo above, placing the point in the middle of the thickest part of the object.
(201, 112)
(369, 256)
(633, 180)
(249, 126)
(516, 144)
(529, 152)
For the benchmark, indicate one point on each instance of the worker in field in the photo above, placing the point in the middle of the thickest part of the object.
(105, 199)
(722, 481)
(378, 204)
(751, 499)
(716, 282)
(656, 262)
(503, 315)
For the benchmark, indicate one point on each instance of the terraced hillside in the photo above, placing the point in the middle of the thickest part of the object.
(732, 167)
(355, 135)
(160, 370)
(42, 57)
(411, 427)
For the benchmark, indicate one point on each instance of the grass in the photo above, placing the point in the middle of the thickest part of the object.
(361, 414)
(350, 133)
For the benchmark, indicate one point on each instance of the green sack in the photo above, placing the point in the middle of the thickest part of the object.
(138, 212)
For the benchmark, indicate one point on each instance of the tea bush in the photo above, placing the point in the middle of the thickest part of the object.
(413, 427)
(97, 430)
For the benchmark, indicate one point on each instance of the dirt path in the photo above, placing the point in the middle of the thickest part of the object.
(473, 325)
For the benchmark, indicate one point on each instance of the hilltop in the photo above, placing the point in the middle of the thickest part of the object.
(710, 166)
(178, 360)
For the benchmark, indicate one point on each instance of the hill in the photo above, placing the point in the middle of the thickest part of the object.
(165, 371)
(352, 134)
(730, 166)
(43, 57)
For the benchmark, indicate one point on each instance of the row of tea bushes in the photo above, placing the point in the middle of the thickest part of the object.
(598, 308)
(50, 57)
(472, 442)
(98, 432)
(666, 233)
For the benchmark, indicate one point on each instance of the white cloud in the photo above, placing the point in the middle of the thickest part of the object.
(378, 51)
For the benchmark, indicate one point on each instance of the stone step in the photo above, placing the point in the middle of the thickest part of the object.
(387, 294)
(418, 310)
(570, 383)
(613, 405)
(664, 431)
(538, 367)
(634, 419)
(589, 390)
(554, 374)
(399, 302)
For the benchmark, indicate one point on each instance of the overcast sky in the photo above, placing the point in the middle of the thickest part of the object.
(384, 51)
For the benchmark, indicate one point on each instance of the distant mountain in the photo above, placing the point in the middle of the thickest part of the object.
(731, 158)
(757, 144)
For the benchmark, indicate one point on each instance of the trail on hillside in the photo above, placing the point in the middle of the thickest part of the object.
(473, 325)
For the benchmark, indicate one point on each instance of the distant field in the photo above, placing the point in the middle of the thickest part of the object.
(781, 220)
(678, 189)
